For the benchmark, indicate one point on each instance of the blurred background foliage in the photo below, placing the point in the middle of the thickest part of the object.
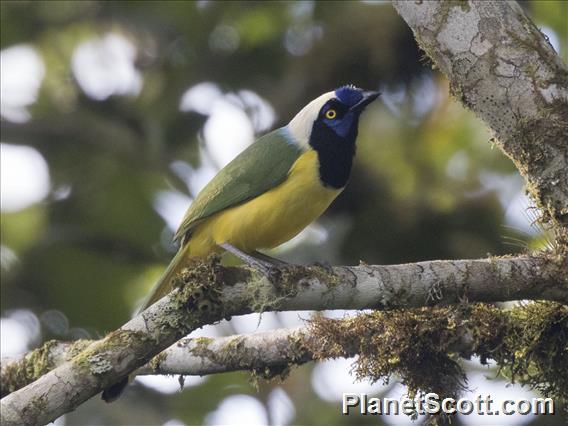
(115, 113)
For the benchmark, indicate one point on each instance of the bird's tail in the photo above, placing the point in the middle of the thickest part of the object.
(165, 284)
(162, 287)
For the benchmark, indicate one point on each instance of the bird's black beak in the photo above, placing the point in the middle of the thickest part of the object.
(368, 97)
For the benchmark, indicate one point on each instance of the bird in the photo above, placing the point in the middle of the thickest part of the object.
(274, 188)
(271, 191)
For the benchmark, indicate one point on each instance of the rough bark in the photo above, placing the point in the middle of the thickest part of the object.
(210, 292)
(265, 351)
(386, 343)
(504, 69)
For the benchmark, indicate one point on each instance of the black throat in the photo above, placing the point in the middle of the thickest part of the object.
(335, 153)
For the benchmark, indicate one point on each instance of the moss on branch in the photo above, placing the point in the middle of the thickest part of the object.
(422, 346)
(36, 363)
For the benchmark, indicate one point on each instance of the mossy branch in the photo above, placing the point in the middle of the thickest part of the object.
(263, 353)
(420, 346)
(504, 69)
(210, 292)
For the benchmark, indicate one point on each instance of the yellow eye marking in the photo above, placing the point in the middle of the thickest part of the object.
(330, 114)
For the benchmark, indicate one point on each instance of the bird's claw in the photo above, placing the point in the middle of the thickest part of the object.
(274, 275)
(271, 272)
(324, 265)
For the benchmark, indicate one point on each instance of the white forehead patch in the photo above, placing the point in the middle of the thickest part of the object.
(300, 127)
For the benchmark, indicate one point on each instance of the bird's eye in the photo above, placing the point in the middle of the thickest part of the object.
(330, 114)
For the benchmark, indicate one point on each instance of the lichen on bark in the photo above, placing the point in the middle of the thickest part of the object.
(503, 68)
(38, 362)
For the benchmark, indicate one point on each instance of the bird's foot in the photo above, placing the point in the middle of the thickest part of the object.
(269, 259)
(266, 265)
(274, 274)
(328, 267)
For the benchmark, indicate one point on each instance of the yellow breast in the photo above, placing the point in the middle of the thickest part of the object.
(271, 218)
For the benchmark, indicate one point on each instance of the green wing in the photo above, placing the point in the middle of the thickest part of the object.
(260, 167)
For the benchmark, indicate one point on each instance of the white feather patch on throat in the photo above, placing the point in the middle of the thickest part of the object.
(300, 127)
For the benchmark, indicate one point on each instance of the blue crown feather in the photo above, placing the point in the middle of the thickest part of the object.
(349, 94)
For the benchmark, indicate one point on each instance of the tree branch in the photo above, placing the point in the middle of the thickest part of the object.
(210, 292)
(386, 344)
(503, 68)
(264, 352)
